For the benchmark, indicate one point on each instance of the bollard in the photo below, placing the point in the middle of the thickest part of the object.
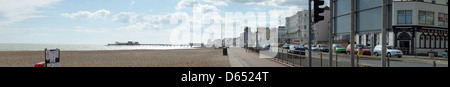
(357, 60)
(293, 60)
(434, 63)
(336, 60)
(321, 59)
(225, 51)
(388, 61)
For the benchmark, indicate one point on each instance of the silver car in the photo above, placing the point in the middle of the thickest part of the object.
(314, 48)
(390, 51)
(323, 48)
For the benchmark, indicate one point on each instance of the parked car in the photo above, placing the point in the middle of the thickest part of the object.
(314, 48)
(338, 48)
(266, 47)
(297, 49)
(323, 48)
(365, 49)
(390, 51)
(286, 46)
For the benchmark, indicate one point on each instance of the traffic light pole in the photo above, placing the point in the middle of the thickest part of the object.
(352, 34)
(383, 34)
(330, 27)
(309, 38)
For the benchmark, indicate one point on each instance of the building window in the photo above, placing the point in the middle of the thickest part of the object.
(446, 42)
(404, 17)
(421, 41)
(426, 17)
(442, 41)
(438, 42)
(427, 41)
(443, 19)
(367, 40)
(432, 42)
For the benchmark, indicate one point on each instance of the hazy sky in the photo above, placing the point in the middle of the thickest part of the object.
(107, 21)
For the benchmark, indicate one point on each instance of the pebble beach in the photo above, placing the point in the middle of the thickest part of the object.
(205, 57)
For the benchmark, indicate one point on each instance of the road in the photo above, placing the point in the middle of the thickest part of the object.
(395, 62)
(239, 57)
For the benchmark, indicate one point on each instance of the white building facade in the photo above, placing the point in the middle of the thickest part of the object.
(420, 26)
(297, 27)
(414, 26)
(321, 29)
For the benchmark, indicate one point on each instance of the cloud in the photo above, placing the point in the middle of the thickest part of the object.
(141, 26)
(186, 4)
(196, 6)
(143, 21)
(99, 14)
(217, 3)
(132, 3)
(125, 17)
(18, 10)
(132, 17)
(205, 8)
(298, 4)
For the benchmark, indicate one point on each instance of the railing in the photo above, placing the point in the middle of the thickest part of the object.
(303, 60)
(338, 60)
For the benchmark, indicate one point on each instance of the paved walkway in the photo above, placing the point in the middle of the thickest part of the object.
(240, 58)
(395, 62)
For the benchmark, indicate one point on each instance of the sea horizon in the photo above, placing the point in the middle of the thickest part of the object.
(81, 47)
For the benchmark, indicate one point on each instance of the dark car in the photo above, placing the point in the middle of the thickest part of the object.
(297, 49)
(286, 46)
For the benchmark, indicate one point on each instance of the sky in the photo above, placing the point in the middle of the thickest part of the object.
(108, 21)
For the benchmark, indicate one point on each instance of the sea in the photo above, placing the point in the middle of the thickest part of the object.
(82, 47)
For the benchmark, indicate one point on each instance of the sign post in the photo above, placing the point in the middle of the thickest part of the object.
(52, 57)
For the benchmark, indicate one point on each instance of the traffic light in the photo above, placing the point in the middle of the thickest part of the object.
(318, 10)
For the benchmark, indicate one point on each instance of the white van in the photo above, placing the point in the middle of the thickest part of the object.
(390, 50)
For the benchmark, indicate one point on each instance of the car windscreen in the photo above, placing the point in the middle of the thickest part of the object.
(361, 46)
(339, 46)
(390, 47)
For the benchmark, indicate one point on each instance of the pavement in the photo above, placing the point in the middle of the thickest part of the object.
(405, 61)
(239, 57)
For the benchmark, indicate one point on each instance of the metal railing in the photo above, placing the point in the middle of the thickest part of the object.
(318, 60)
(302, 60)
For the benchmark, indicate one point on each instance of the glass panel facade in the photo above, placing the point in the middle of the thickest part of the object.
(370, 20)
(343, 6)
(365, 4)
(343, 24)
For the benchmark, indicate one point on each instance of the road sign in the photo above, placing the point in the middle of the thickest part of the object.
(52, 57)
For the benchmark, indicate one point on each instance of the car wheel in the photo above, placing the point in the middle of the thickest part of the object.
(399, 56)
(348, 53)
(376, 54)
(389, 55)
